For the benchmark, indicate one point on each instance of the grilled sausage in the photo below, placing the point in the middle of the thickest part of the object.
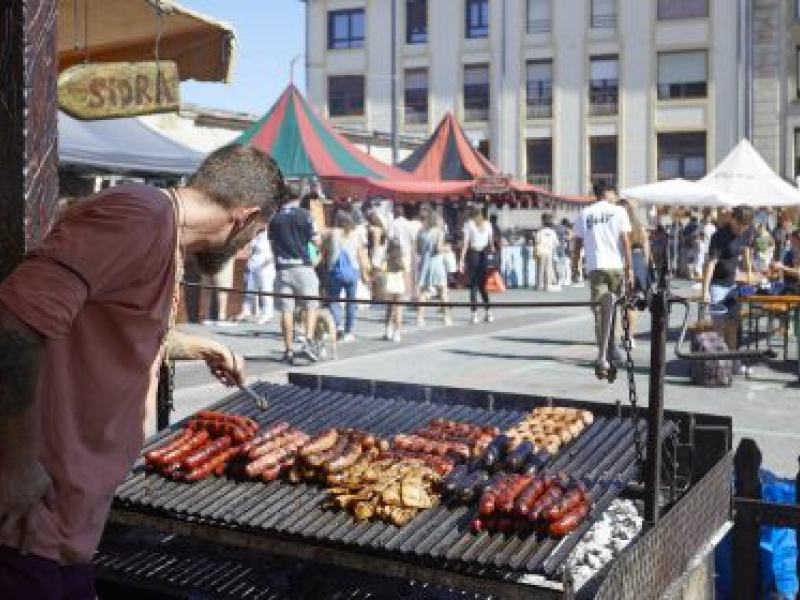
(553, 494)
(488, 503)
(204, 453)
(453, 479)
(468, 487)
(494, 453)
(570, 521)
(222, 428)
(527, 497)
(569, 501)
(154, 456)
(320, 443)
(517, 458)
(172, 470)
(285, 438)
(244, 422)
(271, 459)
(505, 500)
(265, 436)
(178, 454)
(348, 458)
(204, 469)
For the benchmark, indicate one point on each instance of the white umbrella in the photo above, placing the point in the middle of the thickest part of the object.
(745, 176)
(678, 192)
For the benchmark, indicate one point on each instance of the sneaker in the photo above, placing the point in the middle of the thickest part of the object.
(448, 321)
(489, 317)
(745, 370)
(389, 334)
(396, 338)
(554, 288)
(288, 357)
(309, 351)
(264, 319)
(347, 338)
(474, 319)
(420, 322)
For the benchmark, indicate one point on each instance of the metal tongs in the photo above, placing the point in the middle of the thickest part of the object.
(260, 399)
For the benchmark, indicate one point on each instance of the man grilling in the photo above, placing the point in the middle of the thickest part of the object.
(84, 322)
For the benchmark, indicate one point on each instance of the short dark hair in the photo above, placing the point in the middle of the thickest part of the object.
(241, 176)
(601, 187)
(743, 214)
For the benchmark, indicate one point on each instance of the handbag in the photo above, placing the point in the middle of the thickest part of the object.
(494, 281)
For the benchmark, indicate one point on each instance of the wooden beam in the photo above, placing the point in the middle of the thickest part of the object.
(28, 126)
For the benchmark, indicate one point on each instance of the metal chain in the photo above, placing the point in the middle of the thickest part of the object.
(628, 304)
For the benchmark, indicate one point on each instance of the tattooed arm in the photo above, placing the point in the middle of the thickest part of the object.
(223, 363)
(24, 481)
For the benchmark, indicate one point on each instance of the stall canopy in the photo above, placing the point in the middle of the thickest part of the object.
(743, 177)
(678, 192)
(448, 156)
(127, 30)
(305, 145)
(121, 146)
(748, 179)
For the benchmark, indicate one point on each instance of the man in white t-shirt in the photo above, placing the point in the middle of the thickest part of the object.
(546, 244)
(405, 229)
(603, 229)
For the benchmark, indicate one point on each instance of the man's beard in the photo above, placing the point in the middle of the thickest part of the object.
(211, 262)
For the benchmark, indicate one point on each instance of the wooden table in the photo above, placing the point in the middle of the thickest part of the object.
(792, 302)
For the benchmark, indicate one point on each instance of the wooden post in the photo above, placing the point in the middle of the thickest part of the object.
(746, 566)
(28, 126)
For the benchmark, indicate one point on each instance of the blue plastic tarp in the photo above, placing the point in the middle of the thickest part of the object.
(122, 146)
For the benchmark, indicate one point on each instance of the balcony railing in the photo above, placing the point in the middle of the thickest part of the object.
(607, 21)
(603, 97)
(540, 26)
(541, 180)
(540, 108)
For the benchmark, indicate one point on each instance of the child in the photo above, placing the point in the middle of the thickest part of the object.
(395, 289)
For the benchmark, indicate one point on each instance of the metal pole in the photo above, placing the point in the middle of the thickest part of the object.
(655, 410)
(395, 148)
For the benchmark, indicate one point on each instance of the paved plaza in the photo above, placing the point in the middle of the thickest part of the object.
(543, 351)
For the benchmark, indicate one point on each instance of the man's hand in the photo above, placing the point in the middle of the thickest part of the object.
(225, 365)
(22, 485)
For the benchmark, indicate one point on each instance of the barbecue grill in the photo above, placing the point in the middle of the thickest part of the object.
(436, 547)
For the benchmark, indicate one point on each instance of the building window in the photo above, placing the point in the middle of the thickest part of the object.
(416, 21)
(682, 75)
(603, 156)
(681, 155)
(540, 17)
(346, 29)
(604, 85)
(539, 153)
(483, 148)
(682, 9)
(604, 14)
(797, 154)
(416, 96)
(540, 89)
(477, 18)
(797, 69)
(346, 96)
(476, 93)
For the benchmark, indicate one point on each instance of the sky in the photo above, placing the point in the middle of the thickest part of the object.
(270, 33)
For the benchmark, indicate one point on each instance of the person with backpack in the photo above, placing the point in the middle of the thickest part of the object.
(347, 264)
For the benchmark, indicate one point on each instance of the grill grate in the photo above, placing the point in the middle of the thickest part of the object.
(439, 538)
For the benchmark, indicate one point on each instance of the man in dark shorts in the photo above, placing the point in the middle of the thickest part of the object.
(85, 321)
(291, 231)
(730, 247)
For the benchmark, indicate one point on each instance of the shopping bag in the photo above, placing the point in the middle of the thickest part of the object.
(494, 281)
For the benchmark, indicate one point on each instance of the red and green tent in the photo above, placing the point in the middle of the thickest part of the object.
(305, 145)
(448, 156)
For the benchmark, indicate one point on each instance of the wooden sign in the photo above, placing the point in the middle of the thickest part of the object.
(108, 90)
(492, 185)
